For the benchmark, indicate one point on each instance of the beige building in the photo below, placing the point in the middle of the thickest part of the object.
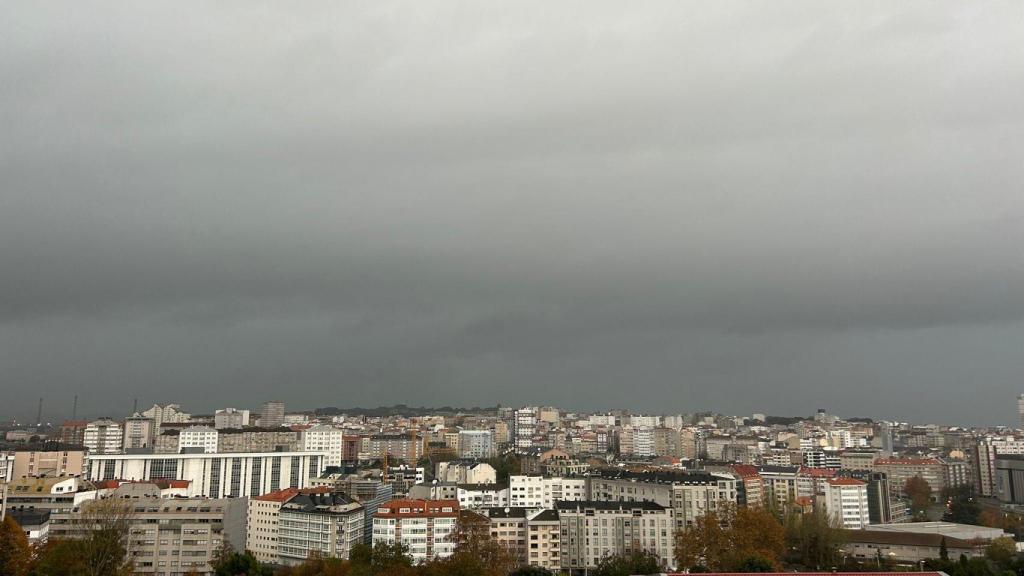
(166, 535)
(262, 521)
(48, 463)
(257, 440)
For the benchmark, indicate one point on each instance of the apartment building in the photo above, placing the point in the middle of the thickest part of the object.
(257, 440)
(61, 462)
(48, 493)
(72, 432)
(272, 415)
(166, 413)
(262, 519)
(846, 500)
(425, 527)
(899, 470)
(749, 486)
(198, 439)
(591, 531)
(215, 475)
(466, 472)
(690, 495)
(139, 432)
(544, 540)
(165, 535)
(230, 418)
(324, 438)
(539, 492)
(524, 428)
(328, 524)
(103, 436)
(478, 496)
(396, 447)
(986, 450)
(476, 444)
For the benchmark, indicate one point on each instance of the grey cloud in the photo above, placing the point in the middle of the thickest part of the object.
(682, 205)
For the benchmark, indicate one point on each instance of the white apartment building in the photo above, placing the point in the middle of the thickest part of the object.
(328, 524)
(241, 474)
(524, 427)
(103, 436)
(476, 444)
(170, 413)
(476, 496)
(539, 492)
(466, 472)
(637, 441)
(324, 438)
(425, 527)
(846, 500)
(197, 438)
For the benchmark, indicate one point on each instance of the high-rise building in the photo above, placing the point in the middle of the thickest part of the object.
(103, 436)
(324, 438)
(1020, 409)
(325, 524)
(985, 452)
(524, 427)
(272, 415)
(139, 432)
(198, 439)
(846, 500)
(592, 531)
(170, 413)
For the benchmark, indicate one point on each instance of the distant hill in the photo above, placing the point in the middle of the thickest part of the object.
(403, 410)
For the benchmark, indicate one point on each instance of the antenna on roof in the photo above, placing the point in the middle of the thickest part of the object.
(39, 413)
(74, 408)
(135, 407)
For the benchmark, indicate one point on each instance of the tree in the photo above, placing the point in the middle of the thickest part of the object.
(961, 507)
(1002, 551)
(814, 537)
(15, 553)
(476, 552)
(98, 546)
(637, 562)
(505, 466)
(725, 541)
(920, 494)
(530, 571)
(755, 564)
(230, 562)
(943, 550)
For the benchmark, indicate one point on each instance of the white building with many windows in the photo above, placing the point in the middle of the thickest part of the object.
(103, 436)
(425, 527)
(324, 438)
(540, 492)
(846, 500)
(242, 474)
(198, 438)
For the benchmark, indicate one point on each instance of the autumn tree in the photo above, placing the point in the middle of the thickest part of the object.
(726, 540)
(476, 552)
(920, 494)
(230, 562)
(15, 553)
(98, 545)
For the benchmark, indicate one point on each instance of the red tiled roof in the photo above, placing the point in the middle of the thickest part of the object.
(419, 508)
(745, 470)
(278, 495)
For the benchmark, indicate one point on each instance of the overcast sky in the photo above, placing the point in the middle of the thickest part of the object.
(669, 207)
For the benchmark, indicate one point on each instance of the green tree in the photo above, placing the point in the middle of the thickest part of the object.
(961, 507)
(530, 571)
(15, 553)
(230, 562)
(1002, 551)
(814, 539)
(943, 550)
(755, 564)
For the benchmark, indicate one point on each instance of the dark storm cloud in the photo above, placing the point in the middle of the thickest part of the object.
(670, 207)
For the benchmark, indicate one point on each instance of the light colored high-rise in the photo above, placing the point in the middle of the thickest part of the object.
(324, 438)
(592, 531)
(524, 427)
(139, 432)
(170, 413)
(103, 436)
(846, 500)
(1020, 409)
(272, 415)
(985, 452)
(425, 527)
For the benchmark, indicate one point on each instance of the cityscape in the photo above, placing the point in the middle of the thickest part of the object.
(511, 288)
(554, 490)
